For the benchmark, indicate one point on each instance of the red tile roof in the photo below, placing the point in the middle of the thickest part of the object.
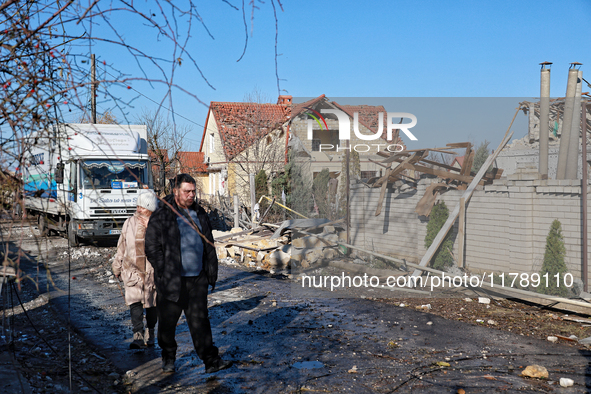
(156, 157)
(192, 162)
(301, 107)
(241, 124)
(459, 160)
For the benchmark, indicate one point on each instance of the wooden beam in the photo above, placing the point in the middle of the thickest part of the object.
(394, 157)
(383, 191)
(441, 150)
(456, 145)
(436, 172)
(468, 161)
(435, 163)
(378, 163)
(393, 172)
(467, 194)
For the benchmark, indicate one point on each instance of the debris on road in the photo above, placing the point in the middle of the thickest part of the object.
(535, 371)
(566, 382)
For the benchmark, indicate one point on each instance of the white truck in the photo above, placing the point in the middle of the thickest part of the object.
(83, 179)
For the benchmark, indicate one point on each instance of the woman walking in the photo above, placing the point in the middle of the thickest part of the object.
(131, 266)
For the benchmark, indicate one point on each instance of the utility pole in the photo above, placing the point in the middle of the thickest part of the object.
(93, 88)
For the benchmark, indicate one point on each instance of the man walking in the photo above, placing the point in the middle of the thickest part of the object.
(179, 244)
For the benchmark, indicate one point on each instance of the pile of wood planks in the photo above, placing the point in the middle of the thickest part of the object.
(416, 161)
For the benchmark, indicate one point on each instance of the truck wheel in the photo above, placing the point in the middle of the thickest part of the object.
(43, 229)
(73, 240)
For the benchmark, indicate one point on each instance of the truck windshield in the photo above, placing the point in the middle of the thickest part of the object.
(114, 174)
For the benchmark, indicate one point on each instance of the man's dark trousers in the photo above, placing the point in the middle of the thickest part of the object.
(193, 301)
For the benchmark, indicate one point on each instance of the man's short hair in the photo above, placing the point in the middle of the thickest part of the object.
(182, 178)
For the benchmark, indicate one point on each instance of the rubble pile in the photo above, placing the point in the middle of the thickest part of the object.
(253, 250)
(316, 249)
(303, 243)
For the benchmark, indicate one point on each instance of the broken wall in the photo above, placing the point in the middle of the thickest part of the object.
(506, 223)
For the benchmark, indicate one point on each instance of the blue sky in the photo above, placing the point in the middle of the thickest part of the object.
(370, 49)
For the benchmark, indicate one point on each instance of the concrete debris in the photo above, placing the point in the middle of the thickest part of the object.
(552, 339)
(535, 371)
(484, 300)
(566, 382)
(318, 248)
(253, 249)
(263, 249)
(228, 260)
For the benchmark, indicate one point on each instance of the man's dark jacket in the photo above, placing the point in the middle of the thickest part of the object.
(163, 248)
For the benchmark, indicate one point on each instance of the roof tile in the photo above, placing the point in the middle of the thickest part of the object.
(241, 124)
(192, 162)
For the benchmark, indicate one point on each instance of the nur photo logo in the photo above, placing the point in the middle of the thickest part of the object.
(344, 123)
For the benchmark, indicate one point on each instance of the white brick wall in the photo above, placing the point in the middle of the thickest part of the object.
(506, 225)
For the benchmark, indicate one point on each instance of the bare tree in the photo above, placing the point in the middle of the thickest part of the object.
(260, 129)
(165, 140)
(45, 52)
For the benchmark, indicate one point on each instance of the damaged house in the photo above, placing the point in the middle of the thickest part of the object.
(242, 138)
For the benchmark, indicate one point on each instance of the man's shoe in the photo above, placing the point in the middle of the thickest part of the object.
(167, 365)
(218, 365)
(138, 341)
(149, 339)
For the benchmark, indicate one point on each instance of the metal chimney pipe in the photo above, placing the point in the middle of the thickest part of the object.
(567, 121)
(544, 117)
(584, 184)
(573, 146)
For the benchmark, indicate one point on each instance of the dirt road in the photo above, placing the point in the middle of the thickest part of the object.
(283, 344)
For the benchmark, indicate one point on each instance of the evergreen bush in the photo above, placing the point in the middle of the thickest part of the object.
(554, 263)
(442, 257)
(299, 188)
(482, 153)
(261, 189)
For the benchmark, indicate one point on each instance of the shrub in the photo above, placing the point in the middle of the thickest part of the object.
(320, 190)
(482, 153)
(299, 188)
(442, 257)
(260, 184)
(554, 262)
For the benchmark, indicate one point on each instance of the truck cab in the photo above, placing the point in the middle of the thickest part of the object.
(90, 178)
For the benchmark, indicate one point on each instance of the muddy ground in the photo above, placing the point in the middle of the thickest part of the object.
(281, 343)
